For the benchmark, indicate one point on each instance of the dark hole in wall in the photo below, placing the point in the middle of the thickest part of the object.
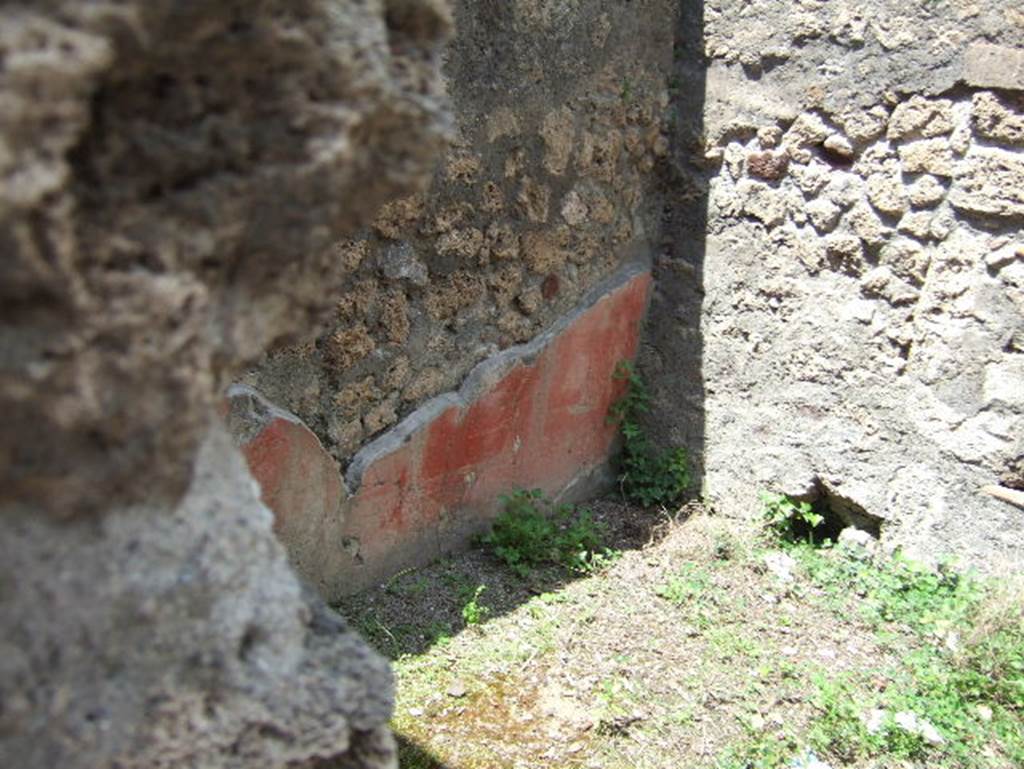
(843, 512)
(838, 513)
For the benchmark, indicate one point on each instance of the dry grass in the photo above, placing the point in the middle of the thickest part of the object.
(686, 652)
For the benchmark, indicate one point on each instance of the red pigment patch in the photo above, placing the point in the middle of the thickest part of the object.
(542, 424)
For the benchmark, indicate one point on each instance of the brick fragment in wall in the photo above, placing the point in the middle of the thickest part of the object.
(770, 166)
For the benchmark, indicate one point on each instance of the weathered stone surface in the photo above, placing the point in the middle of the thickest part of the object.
(927, 156)
(887, 193)
(925, 192)
(174, 178)
(921, 117)
(994, 66)
(994, 120)
(862, 349)
(177, 637)
(991, 182)
(163, 166)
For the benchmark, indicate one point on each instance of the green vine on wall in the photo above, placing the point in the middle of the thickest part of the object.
(648, 476)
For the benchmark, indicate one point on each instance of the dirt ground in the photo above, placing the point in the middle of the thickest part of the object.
(684, 649)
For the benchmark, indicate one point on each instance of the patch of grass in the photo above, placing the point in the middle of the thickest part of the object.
(677, 656)
(758, 751)
(962, 668)
(649, 477)
(688, 583)
(732, 642)
(839, 730)
(894, 589)
(531, 532)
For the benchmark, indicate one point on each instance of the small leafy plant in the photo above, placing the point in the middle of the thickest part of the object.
(531, 532)
(474, 612)
(649, 477)
(790, 520)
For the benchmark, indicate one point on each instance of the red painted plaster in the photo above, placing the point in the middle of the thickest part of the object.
(541, 425)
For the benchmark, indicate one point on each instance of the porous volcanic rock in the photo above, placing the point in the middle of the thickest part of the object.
(174, 177)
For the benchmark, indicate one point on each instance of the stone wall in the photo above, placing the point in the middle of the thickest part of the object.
(533, 417)
(542, 209)
(173, 178)
(544, 193)
(859, 180)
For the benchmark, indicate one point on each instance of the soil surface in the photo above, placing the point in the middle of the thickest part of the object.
(687, 648)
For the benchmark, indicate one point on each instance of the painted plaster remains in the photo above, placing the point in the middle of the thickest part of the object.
(546, 190)
(534, 416)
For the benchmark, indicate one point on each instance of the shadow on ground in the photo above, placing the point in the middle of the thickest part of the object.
(413, 756)
(420, 608)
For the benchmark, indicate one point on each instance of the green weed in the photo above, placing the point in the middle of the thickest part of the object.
(648, 477)
(758, 751)
(894, 590)
(474, 612)
(688, 583)
(530, 532)
(789, 520)
(968, 659)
